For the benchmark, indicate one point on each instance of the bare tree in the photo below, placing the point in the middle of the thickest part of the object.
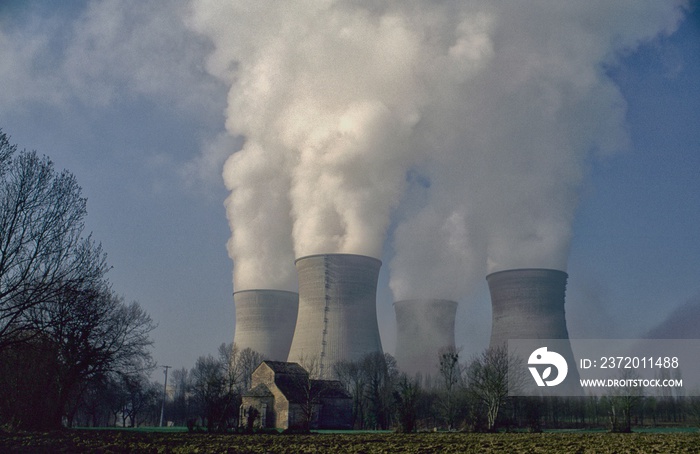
(53, 292)
(380, 374)
(233, 372)
(351, 375)
(95, 333)
(180, 405)
(6, 152)
(42, 251)
(95, 408)
(370, 380)
(621, 403)
(214, 383)
(311, 364)
(139, 398)
(83, 338)
(207, 385)
(248, 360)
(488, 377)
(406, 400)
(450, 375)
(694, 410)
(307, 384)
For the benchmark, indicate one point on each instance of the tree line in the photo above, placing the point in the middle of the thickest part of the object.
(63, 329)
(472, 396)
(206, 397)
(464, 395)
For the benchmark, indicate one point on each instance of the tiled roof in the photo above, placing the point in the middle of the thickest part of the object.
(330, 389)
(296, 388)
(293, 382)
(281, 367)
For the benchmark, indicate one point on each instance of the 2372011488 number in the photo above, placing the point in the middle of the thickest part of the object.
(636, 362)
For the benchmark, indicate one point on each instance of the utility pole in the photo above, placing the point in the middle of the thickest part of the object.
(165, 389)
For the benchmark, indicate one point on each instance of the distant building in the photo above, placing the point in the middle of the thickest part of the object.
(283, 397)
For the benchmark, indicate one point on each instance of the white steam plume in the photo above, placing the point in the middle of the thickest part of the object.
(258, 213)
(513, 142)
(328, 96)
(495, 105)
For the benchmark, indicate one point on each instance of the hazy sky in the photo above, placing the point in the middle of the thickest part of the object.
(146, 101)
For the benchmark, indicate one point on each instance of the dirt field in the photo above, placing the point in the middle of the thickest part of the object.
(109, 441)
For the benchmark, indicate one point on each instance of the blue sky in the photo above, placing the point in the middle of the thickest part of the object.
(133, 117)
(635, 241)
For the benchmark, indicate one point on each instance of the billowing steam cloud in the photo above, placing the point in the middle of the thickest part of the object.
(327, 96)
(514, 141)
(491, 108)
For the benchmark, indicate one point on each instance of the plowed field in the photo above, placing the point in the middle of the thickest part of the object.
(77, 441)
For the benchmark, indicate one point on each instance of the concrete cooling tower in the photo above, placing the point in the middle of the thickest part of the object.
(527, 304)
(423, 328)
(265, 321)
(337, 310)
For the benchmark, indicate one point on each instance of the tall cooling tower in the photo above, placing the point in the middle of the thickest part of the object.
(527, 304)
(423, 328)
(265, 321)
(337, 310)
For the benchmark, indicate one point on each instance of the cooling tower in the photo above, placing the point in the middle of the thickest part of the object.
(265, 321)
(423, 328)
(337, 310)
(527, 304)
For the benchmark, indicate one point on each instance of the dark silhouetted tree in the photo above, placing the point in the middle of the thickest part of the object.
(54, 296)
(141, 399)
(179, 408)
(215, 387)
(95, 333)
(380, 375)
(309, 395)
(449, 379)
(406, 400)
(351, 375)
(42, 251)
(29, 396)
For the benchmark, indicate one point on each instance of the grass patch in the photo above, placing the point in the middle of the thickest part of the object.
(146, 429)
